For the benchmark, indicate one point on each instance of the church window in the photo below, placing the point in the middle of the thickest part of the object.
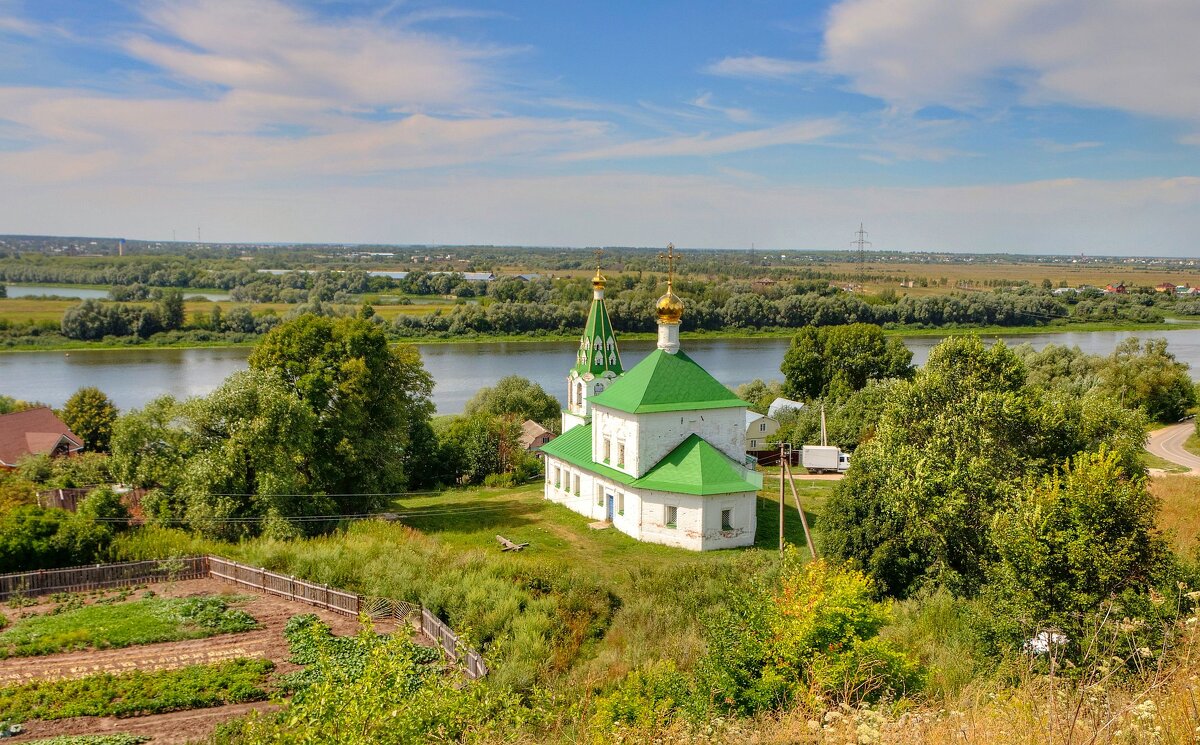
(607, 449)
(620, 455)
(599, 495)
(557, 477)
(599, 388)
(579, 393)
(726, 519)
(670, 515)
(621, 503)
(570, 395)
(577, 485)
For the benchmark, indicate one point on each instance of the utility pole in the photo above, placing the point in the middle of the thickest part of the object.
(785, 470)
(861, 244)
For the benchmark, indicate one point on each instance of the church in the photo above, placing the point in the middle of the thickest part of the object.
(657, 451)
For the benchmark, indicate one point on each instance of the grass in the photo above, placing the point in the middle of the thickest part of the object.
(116, 625)
(139, 693)
(578, 608)
(1179, 510)
(1150, 460)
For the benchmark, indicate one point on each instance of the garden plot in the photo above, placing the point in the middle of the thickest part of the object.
(265, 643)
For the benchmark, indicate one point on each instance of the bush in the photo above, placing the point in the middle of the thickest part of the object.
(809, 636)
(646, 701)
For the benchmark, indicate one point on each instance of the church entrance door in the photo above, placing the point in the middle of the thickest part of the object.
(608, 506)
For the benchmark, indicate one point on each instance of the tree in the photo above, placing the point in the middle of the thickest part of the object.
(1073, 540)
(150, 446)
(252, 441)
(1147, 376)
(517, 397)
(951, 448)
(366, 398)
(838, 360)
(759, 394)
(170, 310)
(91, 414)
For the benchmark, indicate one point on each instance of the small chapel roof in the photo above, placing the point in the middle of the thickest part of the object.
(667, 382)
(693, 467)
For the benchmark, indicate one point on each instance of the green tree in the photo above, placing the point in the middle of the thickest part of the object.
(951, 448)
(91, 414)
(252, 441)
(759, 394)
(838, 360)
(1147, 376)
(1072, 541)
(519, 397)
(170, 310)
(150, 445)
(367, 399)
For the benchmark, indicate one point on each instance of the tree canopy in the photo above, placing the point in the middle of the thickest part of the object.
(90, 413)
(838, 360)
(953, 447)
(366, 398)
(518, 397)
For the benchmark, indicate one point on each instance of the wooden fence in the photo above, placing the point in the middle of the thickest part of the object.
(100, 576)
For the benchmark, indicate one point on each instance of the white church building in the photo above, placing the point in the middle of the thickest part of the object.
(658, 451)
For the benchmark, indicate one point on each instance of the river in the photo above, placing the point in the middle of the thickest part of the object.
(134, 376)
(90, 293)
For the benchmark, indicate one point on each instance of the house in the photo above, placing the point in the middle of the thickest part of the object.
(1118, 289)
(534, 435)
(656, 451)
(35, 432)
(759, 427)
(1164, 287)
(782, 405)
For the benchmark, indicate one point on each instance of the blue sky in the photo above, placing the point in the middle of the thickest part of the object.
(1011, 125)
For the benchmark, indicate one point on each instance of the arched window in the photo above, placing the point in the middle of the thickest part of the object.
(570, 394)
(579, 393)
(599, 388)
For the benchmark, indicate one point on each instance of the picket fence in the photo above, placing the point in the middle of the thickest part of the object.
(103, 576)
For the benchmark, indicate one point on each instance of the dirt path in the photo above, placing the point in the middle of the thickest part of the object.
(267, 642)
(175, 728)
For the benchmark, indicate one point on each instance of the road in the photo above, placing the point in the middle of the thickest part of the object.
(1167, 443)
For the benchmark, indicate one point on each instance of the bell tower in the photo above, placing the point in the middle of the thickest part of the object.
(598, 361)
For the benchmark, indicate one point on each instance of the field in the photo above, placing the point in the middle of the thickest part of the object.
(201, 682)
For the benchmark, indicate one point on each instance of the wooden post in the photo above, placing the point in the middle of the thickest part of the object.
(812, 549)
(781, 471)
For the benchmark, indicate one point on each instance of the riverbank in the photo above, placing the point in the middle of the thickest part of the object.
(67, 345)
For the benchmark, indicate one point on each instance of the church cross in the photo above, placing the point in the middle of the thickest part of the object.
(670, 257)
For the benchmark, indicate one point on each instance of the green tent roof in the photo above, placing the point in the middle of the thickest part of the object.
(694, 467)
(598, 345)
(667, 382)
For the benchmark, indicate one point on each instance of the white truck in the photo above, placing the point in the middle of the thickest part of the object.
(824, 459)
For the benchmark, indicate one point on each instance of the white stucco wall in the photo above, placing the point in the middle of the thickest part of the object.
(724, 429)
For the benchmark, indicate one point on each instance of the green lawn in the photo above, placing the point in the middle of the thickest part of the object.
(126, 624)
(471, 518)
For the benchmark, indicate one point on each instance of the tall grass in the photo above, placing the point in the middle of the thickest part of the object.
(1179, 510)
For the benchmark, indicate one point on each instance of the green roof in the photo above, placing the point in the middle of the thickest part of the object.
(598, 345)
(666, 382)
(694, 467)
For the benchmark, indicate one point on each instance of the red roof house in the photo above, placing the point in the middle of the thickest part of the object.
(35, 432)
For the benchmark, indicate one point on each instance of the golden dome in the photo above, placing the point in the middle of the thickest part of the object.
(669, 307)
(598, 281)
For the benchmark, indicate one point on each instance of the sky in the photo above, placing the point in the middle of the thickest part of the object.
(1018, 126)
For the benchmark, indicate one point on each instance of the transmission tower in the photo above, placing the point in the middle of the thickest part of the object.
(860, 243)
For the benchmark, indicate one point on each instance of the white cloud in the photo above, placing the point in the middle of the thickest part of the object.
(268, 47)
(734, 114)
(1132, 55)
(793, 133)
(754, 66)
